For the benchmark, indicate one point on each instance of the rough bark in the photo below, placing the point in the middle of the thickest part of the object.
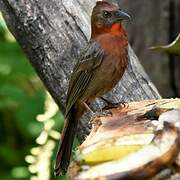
(51, 33)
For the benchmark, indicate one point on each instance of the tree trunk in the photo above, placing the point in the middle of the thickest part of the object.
(51, 33)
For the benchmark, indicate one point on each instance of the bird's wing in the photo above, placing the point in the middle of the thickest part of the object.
(89, 60)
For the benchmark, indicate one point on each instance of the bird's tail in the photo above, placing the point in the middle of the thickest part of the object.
(64, 151)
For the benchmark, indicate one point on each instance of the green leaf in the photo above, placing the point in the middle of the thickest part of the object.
(59, 121)
(13, 63)
(27, 112)
(9, 155)
(10, 96)
(173, 48)
(20, 172)
(5, 35)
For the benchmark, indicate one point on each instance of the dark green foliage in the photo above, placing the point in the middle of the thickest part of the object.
(22, 98)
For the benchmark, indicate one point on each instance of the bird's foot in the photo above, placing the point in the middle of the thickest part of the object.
(103, 113)
(111, 105)
(116, 105)
(95, 119)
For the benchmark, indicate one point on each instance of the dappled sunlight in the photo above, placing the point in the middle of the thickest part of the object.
(39, 159)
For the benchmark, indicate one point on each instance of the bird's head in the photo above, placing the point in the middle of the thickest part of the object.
(107, 17)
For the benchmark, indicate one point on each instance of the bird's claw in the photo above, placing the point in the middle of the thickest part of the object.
(102, 114)
(116, 105)
(95, 119)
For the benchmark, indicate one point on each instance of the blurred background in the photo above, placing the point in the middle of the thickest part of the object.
(30, 120)
(156, 22)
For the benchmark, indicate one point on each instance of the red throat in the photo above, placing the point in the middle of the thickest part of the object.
(116, 29)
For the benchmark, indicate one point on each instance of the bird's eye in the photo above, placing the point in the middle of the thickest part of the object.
(106, 14)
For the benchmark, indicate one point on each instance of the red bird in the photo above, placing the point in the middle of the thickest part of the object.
(98, 70)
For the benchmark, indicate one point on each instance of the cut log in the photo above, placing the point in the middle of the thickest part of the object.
(134, 142)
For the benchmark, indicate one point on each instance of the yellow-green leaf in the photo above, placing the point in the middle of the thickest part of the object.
(173, 48)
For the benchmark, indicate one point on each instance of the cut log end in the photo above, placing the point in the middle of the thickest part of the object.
(129, 143)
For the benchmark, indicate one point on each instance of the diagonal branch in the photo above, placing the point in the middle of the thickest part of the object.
(51, 33)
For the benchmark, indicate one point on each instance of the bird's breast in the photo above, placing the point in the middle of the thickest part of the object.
(106, 76)
(115, 45)
(111, 69)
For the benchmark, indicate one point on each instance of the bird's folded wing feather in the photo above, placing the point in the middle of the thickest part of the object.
(89, 60)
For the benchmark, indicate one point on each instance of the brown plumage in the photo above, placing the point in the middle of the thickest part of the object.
(99, 69)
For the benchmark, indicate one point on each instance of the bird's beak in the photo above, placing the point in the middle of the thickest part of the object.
(121, 15)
